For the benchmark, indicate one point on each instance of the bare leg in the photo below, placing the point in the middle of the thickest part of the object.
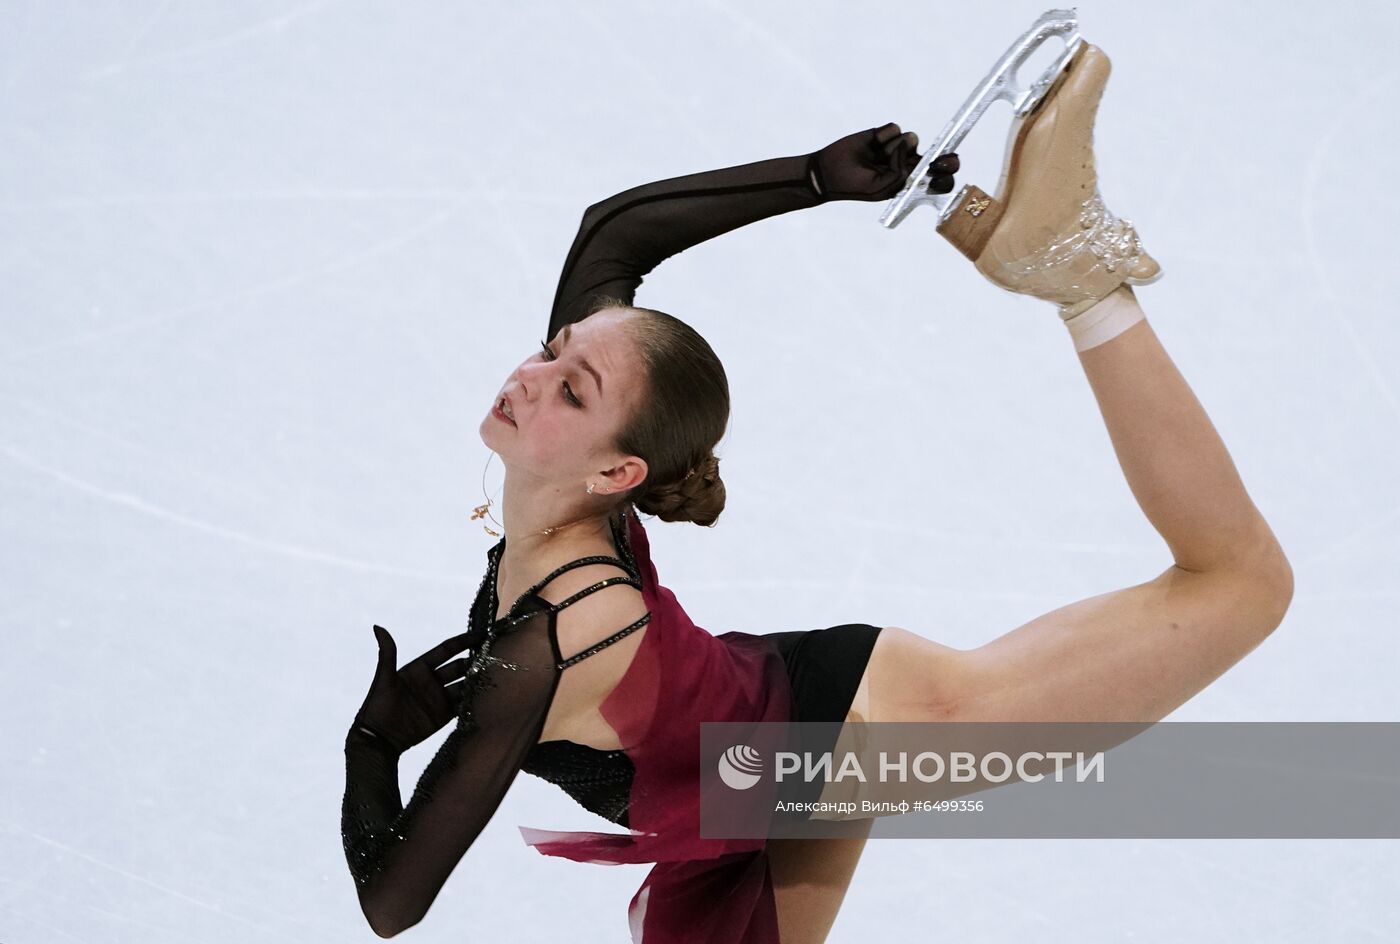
(1174, 461)
(810, 879)
(1137, 653)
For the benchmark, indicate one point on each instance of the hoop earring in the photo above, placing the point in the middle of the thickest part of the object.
(484, 511)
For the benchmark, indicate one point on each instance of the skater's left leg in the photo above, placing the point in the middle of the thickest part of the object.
(810, 878)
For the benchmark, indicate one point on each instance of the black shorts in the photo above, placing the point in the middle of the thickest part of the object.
(825, 667)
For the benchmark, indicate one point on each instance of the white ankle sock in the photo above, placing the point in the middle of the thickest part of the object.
(1104, 320)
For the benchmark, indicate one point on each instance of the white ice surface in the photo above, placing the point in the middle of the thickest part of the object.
(263, 266)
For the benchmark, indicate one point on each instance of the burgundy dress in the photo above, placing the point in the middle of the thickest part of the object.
(700, 890)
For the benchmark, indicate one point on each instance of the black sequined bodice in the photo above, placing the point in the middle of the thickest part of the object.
(600, 780)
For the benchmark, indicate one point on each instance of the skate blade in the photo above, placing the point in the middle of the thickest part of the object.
(999, 85)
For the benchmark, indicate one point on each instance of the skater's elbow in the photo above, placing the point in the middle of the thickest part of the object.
(387, 926)
(387, 920)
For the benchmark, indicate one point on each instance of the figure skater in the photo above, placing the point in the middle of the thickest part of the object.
(603, 693)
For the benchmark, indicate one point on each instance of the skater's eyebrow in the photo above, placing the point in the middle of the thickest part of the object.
(563, 340)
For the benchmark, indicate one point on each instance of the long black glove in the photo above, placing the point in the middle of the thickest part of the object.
(399, 855)
(623, 238)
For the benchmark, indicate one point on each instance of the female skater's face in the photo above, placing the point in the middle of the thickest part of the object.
(568, 402)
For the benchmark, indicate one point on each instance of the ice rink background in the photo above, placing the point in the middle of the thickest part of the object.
(263, 266)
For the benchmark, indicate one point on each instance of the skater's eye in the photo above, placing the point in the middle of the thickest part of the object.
(549, 355)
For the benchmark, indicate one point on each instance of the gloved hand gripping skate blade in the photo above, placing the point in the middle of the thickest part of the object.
(1000, 84)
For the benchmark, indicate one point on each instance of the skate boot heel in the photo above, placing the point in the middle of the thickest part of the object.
(974, 218)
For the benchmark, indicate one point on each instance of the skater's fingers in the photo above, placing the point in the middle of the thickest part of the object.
(887, 133)
(388, 655)
(439, 653)
(947, 163)
(454, 671)
(940, 183)
(900, 155)
(909, 141)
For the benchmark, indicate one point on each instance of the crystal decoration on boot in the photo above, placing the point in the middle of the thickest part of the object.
(1061, 270)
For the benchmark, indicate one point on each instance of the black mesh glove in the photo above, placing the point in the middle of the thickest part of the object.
(873, 165)
(623, 238)
(407, 706)
(400, 855)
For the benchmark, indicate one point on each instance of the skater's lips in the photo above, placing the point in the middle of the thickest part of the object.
(506, 407)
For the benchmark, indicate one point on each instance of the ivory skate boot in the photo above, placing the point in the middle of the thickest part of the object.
(1047, 232)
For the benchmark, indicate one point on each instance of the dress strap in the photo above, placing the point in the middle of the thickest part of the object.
(581, 562)
(599, 647)
(627, 563)
(605, 582)
(630, 580)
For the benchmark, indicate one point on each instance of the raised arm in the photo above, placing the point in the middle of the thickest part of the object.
(400, 856)
(626, 236)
